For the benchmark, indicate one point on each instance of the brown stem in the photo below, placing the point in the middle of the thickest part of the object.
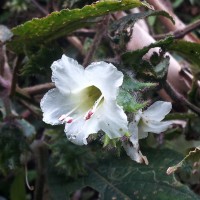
(7, 106)
(180, 33)
(31, 109)
(179, 98)
(15, 75)
(101, 29)
(40, 8)
(76, 43)
(41, 153)
(38, 89)
(159, 5)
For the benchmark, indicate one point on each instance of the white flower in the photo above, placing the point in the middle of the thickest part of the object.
(85, 100)
(143, 123)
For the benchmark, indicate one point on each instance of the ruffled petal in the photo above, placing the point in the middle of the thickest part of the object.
(141, 132)
(68, 75)
(133, 129)
(106, 77)
(157, 111)
(79, 130)
(134, 153)
(54, 104)
(112, 119)
(156, 127)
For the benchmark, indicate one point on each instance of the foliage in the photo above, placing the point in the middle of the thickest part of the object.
(33, 153)
(127, 180)
(57, 24)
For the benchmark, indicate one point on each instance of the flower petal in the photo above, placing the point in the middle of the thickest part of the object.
(133, 129)
(79, 130)
(53, 105)
(68, 75)
(156, 127)
(106, 77)
(112, 119)
(134, 153)
(157, 111)
(141, 132)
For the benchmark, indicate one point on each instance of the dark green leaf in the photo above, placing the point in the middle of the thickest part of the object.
(17, 190)
(57, 24)
(156, 68)
(118, 30)
(40, 61)
(125, 179)
(12, 145)
(189, 50)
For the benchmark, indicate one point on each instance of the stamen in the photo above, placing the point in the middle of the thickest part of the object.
(69, 120)
(89, 115)
(62, 117)
(97, 102)
(66, 117)
(91, 112)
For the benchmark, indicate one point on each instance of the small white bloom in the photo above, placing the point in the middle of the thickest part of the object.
(142, 124)
(85, 100)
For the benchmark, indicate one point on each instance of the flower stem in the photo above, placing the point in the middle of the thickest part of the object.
(179, 98)
(101, 29)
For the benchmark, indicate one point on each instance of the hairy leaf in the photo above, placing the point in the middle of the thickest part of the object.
(17, 190)
(132, 85)
(189, 50)
(156, 68)
(128, 102)
(57, 24)
(125, 179)
(118, 30)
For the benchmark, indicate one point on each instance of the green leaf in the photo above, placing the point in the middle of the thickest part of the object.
(17, 190)
(193, 156)
(27, 128)
(57, 24)
(127, 101)
(40, 61)
(125, 179)
(190, 51)
(118, 29)
(12, 145)
(156, 68)
(68, 158)
(132, 85)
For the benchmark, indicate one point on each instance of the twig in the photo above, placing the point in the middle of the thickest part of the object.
(31, 109)
(180, 33)
(101, 29)
(24, 96)
(83, 32)
(76, 43)
(179, 98)
(38, 89)
(180, 116)
(2, 60)
(15, 75)
(159, 5)
(7, 106)
(41, 153)
(37, 5)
